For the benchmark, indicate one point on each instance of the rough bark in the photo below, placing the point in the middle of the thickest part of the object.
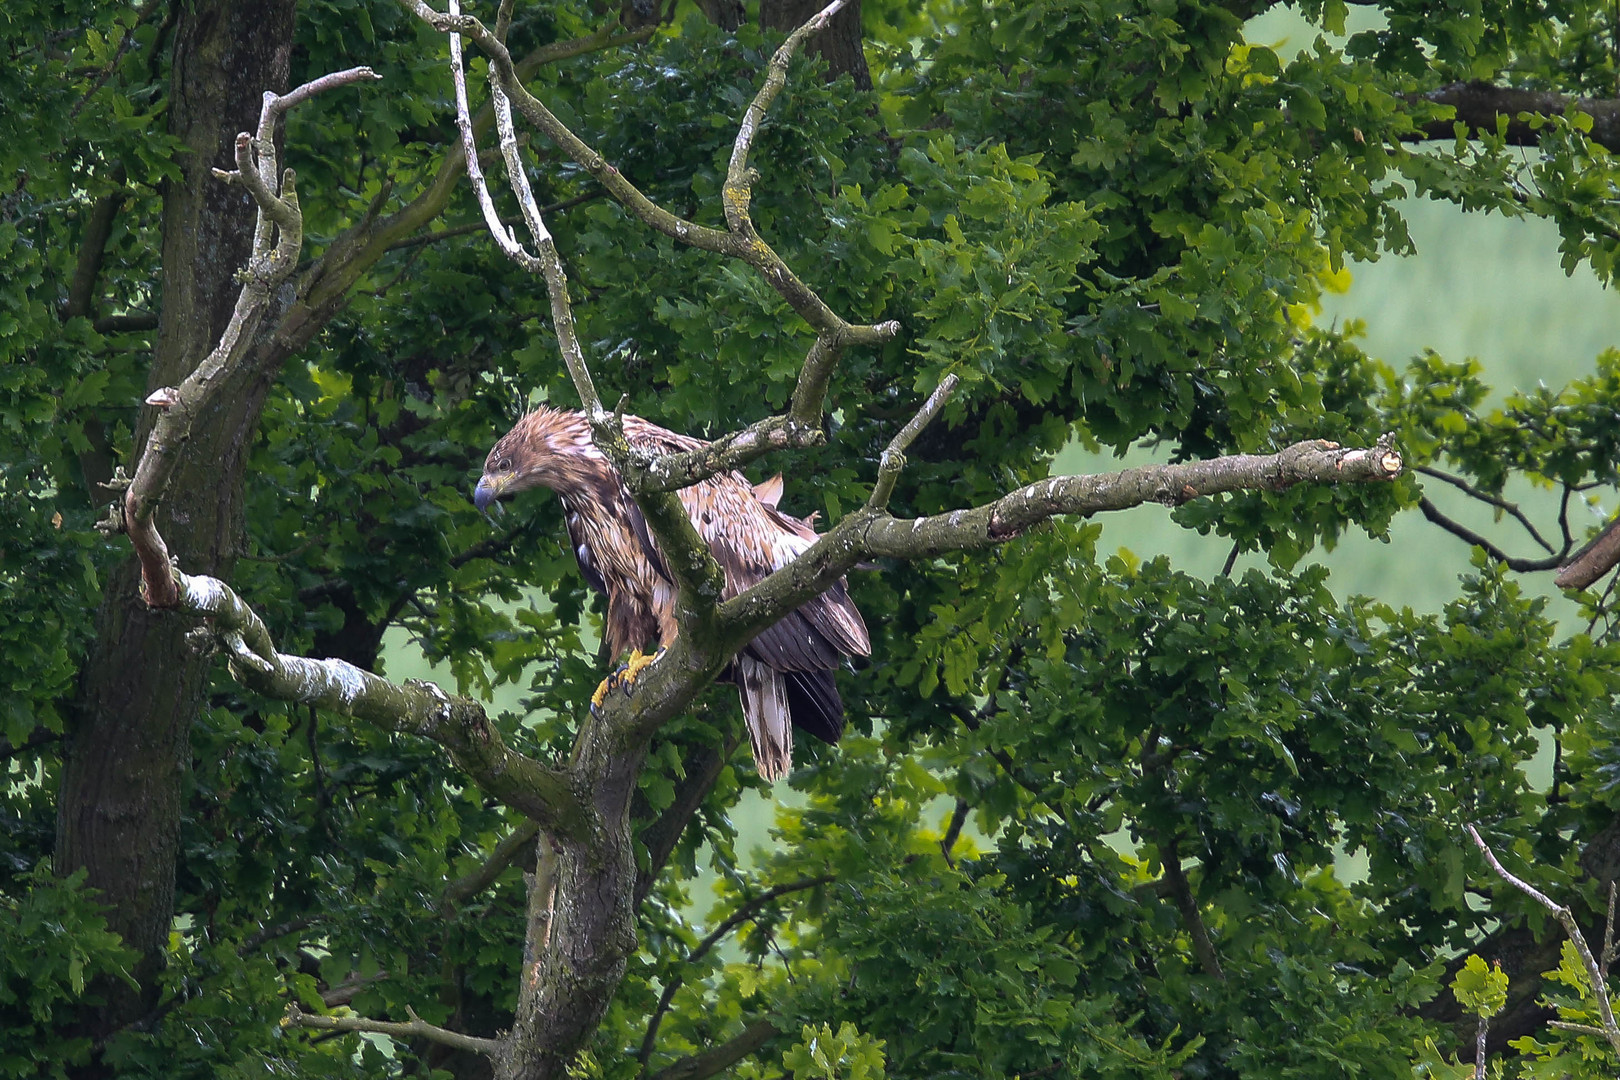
(120, 800)
(1479, 104)
(839, 45)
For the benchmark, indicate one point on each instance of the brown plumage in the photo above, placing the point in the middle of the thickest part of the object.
(785, 675)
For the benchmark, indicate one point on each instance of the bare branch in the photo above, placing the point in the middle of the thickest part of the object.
(415, 1028)
(1594, 970)
(419, 708)
(894, 456)
(265, 271)
(1318, 462)
(748, 247)
(1469, 536)
(738, 188)
(504, 236)
(1512, 509)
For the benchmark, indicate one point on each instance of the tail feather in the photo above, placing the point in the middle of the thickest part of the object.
(814, 704)
(765, 710)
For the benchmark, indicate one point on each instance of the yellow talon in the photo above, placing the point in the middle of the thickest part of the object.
(622, 677)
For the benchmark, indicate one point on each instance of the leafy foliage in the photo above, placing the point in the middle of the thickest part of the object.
(1201, 827)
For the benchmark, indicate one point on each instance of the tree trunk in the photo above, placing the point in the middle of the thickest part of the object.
(839, 45)
(119, 806)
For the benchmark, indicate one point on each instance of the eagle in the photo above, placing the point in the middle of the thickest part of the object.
(785, 674)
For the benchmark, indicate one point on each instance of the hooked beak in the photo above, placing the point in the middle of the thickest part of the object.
(488, 492)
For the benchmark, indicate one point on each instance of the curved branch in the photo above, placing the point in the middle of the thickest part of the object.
(1467, 535)
(1594, 971)
(418, 708)
(508, 848)
(720, 1058)
(1511, 509)
(415, 1028)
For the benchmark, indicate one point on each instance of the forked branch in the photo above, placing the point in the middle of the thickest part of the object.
(414, 1028)
(1595, 971)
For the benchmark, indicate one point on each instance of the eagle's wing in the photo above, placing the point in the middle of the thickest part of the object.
(785, 675)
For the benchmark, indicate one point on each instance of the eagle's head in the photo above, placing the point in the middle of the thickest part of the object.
(547, 448)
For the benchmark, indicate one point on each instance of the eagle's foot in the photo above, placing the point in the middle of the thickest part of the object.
(622, 678)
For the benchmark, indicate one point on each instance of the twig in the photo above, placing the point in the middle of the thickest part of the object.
(415, 1028)
(1594, 970)
(894, 456)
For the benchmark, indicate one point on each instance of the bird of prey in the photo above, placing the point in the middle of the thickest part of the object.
(785, 675)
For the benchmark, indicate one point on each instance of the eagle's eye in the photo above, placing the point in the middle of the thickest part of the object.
(504, 465)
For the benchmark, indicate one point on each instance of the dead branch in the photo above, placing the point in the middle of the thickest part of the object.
(1594, 970)
(415, 1028)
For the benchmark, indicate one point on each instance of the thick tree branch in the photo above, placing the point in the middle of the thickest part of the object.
(1479, 105)
(418, 708)
(1594, 560)
(717, 1060)
(414, 1028)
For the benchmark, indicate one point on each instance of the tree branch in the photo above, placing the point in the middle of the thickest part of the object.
(894, 455)
(1594, 970)
(1478, 105)
(1594, 560)
(415, 1028)
(1511, 509)
(722, 1057)
(744, 913)
(1469, 536)
(418, 708)
(470, 885)
(1187, 904)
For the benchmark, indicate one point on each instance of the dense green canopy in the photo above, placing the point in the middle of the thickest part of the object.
(1091, 817)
